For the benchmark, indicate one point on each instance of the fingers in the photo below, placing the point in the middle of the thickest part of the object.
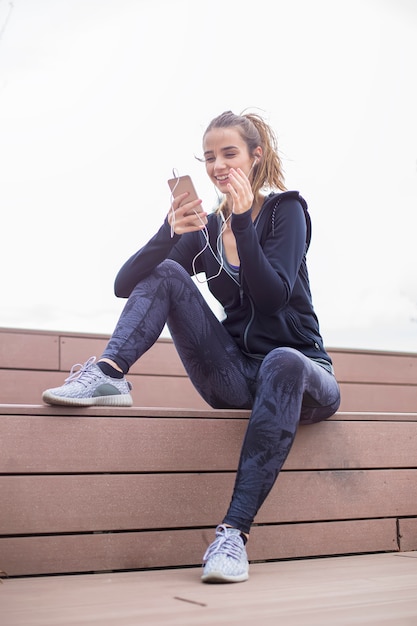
(240, 190)
(187, 217)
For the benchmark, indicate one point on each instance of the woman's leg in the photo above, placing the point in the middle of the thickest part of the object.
(221, 374)
(291, 388)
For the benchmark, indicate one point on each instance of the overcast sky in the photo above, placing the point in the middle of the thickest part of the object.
(100, 99)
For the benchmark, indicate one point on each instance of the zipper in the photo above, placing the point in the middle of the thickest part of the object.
(248, 325)
(299, 332)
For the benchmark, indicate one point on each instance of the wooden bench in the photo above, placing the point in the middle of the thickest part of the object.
(101, 489)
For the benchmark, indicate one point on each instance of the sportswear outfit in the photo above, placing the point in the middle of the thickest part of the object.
(266, 355)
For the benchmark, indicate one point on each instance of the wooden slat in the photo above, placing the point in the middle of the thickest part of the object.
(380, 416)
(407, 531)
(344, 445)
(55, 554)
(375, 367)
(322, 538)
(147, 411)
(370, 380)
(83, 503)
(161, 360)
(26, 387)
(372, 366)
(342, 494)
(71, 444)
(165, 391)
(371, 590)
(29, 351)
(150, 481)
(76, 444)
(167, 412)
(386, 398)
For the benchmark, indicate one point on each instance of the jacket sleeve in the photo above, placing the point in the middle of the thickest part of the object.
(140, 264)
(269, 272)
(179, 248)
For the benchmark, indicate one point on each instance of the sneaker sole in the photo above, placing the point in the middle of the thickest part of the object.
(219, 577)
(124, 400)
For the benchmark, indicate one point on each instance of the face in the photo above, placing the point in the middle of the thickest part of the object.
(224, 149)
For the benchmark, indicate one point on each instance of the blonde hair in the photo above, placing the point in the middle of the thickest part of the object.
(268, 171)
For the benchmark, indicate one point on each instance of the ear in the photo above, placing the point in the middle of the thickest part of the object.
(257, 155)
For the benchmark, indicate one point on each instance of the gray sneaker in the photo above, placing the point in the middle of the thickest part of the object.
(88, 386)
(225, 560)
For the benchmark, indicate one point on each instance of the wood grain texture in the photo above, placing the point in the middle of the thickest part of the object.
(364, 589)
(51, 554)
(114, 502)
(35, 444)
(120, 488)
(407, 533)
(31, 351)
(26, 387)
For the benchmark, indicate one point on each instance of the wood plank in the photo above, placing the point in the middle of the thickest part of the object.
(343, 445)
(160, 391)
(363, 589)
(148, 411)
(54, 554)
(341, 494)
(375, 367)
(372, 366)
(75, 444)
(85, 503)
(26, 387)
(161, 360)
(379, 416)
(288, 541)
(369, 397)
(151, 411)
(407, 531)
(29, 351)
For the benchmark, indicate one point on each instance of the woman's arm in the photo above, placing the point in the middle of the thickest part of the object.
(140, 264)
(183, 219)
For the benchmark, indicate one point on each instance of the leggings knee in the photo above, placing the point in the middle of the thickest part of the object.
(286, 363)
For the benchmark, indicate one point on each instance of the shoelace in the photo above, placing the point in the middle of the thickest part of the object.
(80, 369)
(229, 544)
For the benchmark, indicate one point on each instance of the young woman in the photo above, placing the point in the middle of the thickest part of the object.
(267, 353)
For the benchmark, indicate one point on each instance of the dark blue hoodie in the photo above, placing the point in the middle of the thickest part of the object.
(268, 303)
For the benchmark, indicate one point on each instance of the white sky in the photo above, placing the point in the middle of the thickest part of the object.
(100, 99)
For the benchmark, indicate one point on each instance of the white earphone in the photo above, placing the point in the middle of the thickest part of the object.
(255, 161)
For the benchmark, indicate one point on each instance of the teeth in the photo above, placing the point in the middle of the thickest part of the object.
(221, 177)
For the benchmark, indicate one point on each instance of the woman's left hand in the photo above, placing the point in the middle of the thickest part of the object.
(240, 191)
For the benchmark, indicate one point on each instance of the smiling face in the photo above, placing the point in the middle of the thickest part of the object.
(224, 148)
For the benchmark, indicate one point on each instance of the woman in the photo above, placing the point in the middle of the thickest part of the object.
(267, 354)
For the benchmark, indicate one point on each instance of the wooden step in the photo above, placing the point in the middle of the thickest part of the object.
(105, 488)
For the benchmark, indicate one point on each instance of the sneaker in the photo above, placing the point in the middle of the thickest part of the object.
(225, 560)
(88, 386)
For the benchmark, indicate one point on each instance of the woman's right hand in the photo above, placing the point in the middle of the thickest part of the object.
(188, 217)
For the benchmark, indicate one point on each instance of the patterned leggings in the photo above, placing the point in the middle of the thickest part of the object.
(284, 389)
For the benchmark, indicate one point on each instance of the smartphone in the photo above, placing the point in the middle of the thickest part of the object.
(181, 185)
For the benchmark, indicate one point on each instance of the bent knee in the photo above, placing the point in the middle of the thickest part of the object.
(169, 266)
(286, 356)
